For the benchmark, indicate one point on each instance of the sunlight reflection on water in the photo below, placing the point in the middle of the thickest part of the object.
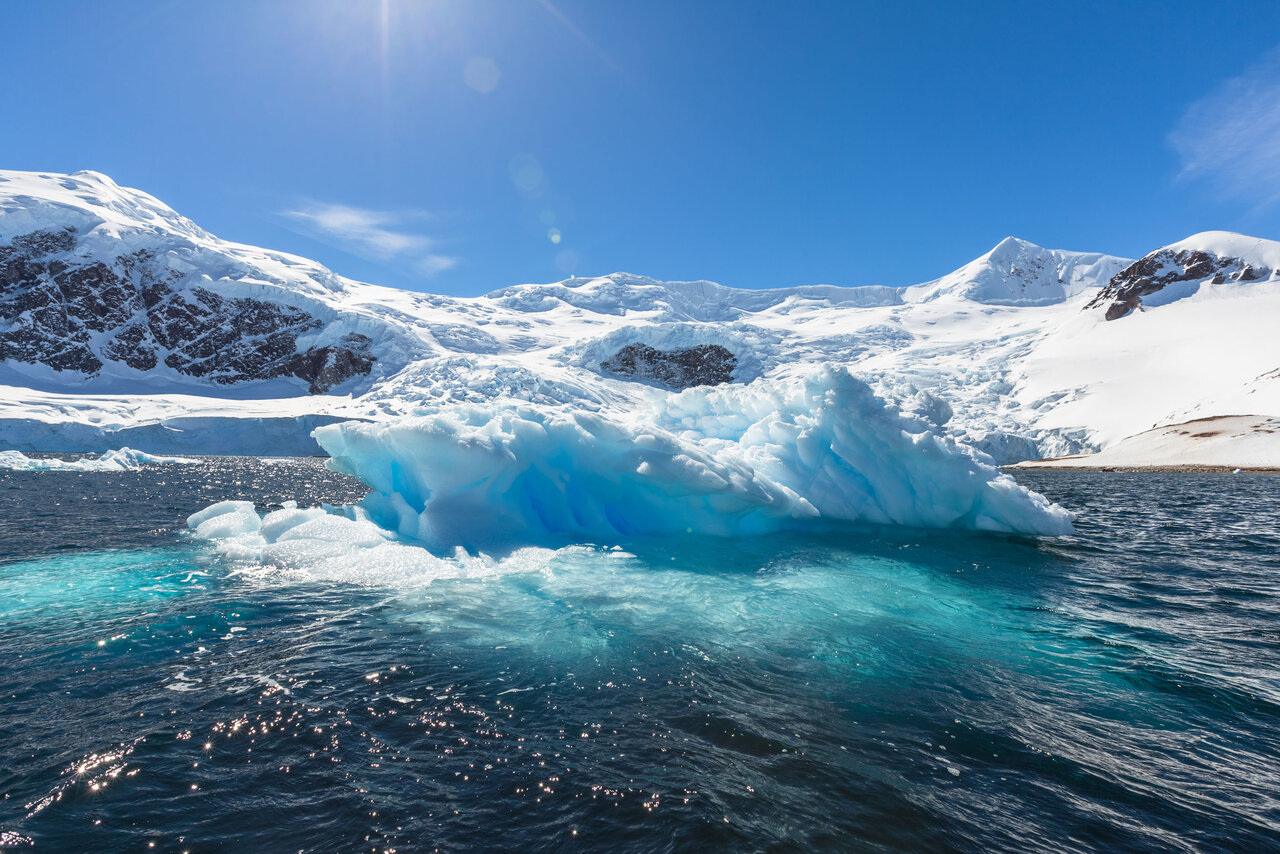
(895, 690)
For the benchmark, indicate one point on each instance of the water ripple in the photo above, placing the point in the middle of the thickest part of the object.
(1114, 691)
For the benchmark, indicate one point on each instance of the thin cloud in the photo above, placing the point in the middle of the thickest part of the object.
(431, 265)
(1232, 136)
(569, 25)
(384, 236)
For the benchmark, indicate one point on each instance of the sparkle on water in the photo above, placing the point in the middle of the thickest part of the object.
(887, 690)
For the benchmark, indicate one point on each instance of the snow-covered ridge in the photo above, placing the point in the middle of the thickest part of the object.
(89, 202)
(620, 293)
(1254, 251)
(1017, 272)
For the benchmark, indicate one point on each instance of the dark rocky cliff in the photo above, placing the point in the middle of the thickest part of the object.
(76, 314)
(1164, 268)
(706, 364)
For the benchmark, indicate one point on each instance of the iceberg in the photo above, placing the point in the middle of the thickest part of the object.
(124, 459)
(812, 453)
(452, 489)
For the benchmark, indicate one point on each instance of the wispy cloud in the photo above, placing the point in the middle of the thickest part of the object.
(1232, 136)
(569, 25)
(384, 236)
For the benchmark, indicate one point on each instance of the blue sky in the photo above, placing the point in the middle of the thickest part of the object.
(458, 147)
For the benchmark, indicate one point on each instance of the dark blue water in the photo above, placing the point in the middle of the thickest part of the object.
(886, 691)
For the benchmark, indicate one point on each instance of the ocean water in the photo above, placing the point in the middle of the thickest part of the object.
(880, 690)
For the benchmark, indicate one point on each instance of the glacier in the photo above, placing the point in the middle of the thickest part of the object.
(190, 344)
(819, 452)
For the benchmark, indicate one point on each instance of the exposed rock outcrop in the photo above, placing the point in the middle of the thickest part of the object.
(706, 364)
(75, 313)
(1165, 268)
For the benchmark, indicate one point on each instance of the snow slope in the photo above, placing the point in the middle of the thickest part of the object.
(1254, 251)
(1223, 441)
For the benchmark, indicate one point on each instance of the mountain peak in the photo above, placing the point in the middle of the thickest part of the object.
(1018, 272)
(97, 177)
(1011, 245)
(86, 201)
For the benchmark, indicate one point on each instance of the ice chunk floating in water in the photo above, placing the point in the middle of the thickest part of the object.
(124, 459)
(811, 453)
(313, 544)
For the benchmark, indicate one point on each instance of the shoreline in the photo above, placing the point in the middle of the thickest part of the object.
(1183, 469)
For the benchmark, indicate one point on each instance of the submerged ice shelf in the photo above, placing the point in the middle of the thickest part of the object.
(814, 453)
(315, 543)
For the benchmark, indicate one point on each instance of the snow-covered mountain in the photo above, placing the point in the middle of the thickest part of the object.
(101, 283)
(1210, 260)
(1017, 272)
(122, 322)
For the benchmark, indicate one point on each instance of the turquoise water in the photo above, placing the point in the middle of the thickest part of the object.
(875, 691)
